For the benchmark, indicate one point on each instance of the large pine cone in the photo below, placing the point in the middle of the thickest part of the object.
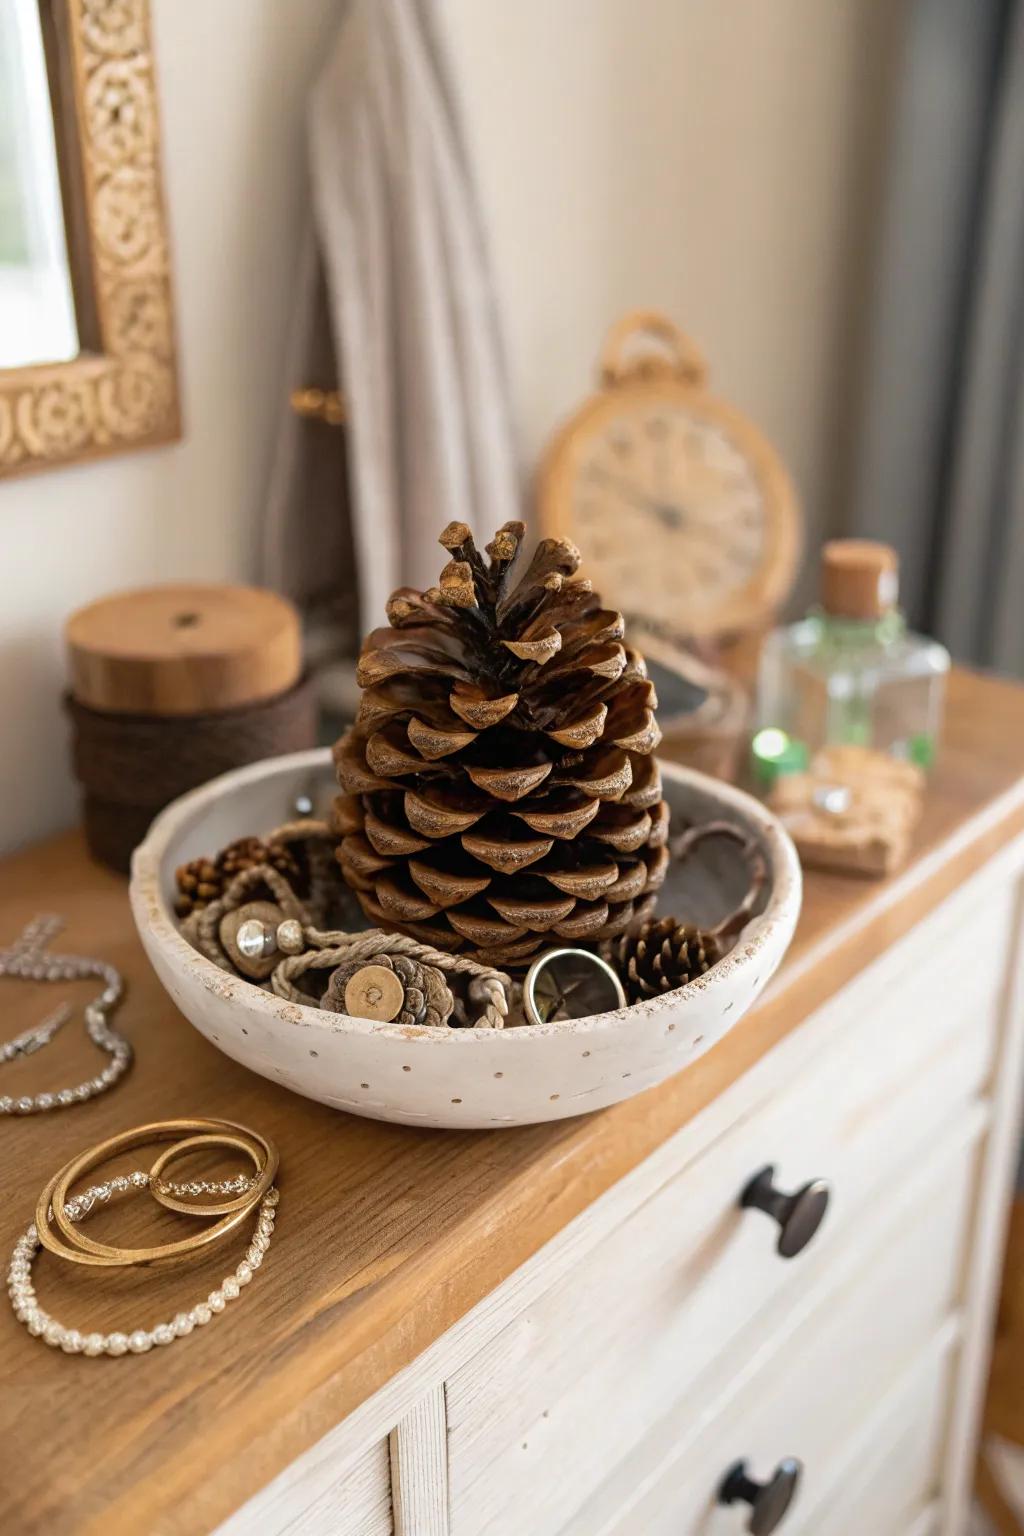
(499, 789)
(662, 955)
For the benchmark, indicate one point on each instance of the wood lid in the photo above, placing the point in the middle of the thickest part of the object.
(859, 578)
(183, 648)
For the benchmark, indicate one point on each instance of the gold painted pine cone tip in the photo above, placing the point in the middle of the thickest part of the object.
(498, 789)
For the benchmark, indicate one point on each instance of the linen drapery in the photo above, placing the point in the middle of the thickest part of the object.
(941, 465)
(409, 301)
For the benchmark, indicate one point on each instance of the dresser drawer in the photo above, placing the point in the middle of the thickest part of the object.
(890, 1497)
(562, 1393)
(868, 1371)
(890, 1476)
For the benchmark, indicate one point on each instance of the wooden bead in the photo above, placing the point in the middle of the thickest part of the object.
(374, 993)
(256, 967)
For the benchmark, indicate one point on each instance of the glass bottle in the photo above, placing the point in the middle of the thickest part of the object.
(850, 673)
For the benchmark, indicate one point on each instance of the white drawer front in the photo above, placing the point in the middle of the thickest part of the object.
(880, 1504)
(894, 1469)
(563, 1392)
(822, 1394)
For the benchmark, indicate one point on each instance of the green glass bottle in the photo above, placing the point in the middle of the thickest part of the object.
(850, 673)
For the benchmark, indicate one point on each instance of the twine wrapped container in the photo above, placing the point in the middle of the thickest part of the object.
(171, 686)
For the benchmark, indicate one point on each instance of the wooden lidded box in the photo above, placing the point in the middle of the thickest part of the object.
(172, 685)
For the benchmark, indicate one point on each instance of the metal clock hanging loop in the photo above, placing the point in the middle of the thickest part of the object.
(628, 352)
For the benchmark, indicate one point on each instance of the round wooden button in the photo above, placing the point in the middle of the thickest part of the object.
(374, 993)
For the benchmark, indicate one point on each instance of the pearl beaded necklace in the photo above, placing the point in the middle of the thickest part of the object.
(137, 1342)
(29, 959)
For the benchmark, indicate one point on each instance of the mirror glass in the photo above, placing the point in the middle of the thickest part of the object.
(37, 311)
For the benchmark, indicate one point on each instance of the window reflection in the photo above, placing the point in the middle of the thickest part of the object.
(37, 315)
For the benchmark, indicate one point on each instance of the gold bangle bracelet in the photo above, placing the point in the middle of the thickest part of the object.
(80, 1249)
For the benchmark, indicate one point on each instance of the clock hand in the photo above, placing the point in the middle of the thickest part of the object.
(672, 517)
(621, 488)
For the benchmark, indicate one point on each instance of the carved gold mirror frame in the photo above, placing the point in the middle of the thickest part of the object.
(121, 391)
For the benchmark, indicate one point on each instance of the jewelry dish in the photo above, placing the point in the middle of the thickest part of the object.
(462, 1078)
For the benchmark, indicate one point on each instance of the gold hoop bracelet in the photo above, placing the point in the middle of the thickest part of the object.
(80, 1249)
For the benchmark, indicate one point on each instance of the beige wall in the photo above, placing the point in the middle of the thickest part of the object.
(712, 158)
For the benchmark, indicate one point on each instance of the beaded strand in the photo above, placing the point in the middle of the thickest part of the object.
(29, 959)
(140, 1340)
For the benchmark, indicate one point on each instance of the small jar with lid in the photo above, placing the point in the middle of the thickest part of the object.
(850, 673)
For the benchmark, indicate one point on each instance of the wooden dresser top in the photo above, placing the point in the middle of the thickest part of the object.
(386, 1235)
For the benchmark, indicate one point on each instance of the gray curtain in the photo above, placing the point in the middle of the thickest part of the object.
(394, 304)
(940, 469)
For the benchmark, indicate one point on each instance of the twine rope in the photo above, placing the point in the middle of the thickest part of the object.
(487, 987)
(150, 759)
(130, 766)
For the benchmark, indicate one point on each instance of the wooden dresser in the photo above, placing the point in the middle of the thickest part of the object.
(574, 1329)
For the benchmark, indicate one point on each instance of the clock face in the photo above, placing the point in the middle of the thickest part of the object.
(671, 517)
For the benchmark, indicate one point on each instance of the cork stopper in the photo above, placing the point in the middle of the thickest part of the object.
(859, 579)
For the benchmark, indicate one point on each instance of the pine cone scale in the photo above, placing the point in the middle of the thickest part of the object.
(565, 820)
(584, 731)
(480, 709)
(509, 783)
(504, 853)
(608, 774)
(445, 888)
(438, 741)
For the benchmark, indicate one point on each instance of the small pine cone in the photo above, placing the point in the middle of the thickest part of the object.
(246, 852)
(204, 880)
(662, 955)
(198, 884)
(428, 1000)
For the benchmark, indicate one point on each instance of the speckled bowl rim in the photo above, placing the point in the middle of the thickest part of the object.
(153, 916)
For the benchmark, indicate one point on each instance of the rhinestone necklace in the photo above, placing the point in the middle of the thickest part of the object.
(30, 959)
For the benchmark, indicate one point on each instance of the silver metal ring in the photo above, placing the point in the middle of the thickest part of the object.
(605, 980)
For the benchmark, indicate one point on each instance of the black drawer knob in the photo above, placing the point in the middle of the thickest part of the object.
(799, 1215)
(769, 1502)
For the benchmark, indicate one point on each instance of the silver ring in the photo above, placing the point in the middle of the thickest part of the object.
(603, 973)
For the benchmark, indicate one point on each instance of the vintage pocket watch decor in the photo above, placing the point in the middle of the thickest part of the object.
(683, 512)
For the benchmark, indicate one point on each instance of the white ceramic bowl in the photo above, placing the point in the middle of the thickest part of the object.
(463, 1078)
